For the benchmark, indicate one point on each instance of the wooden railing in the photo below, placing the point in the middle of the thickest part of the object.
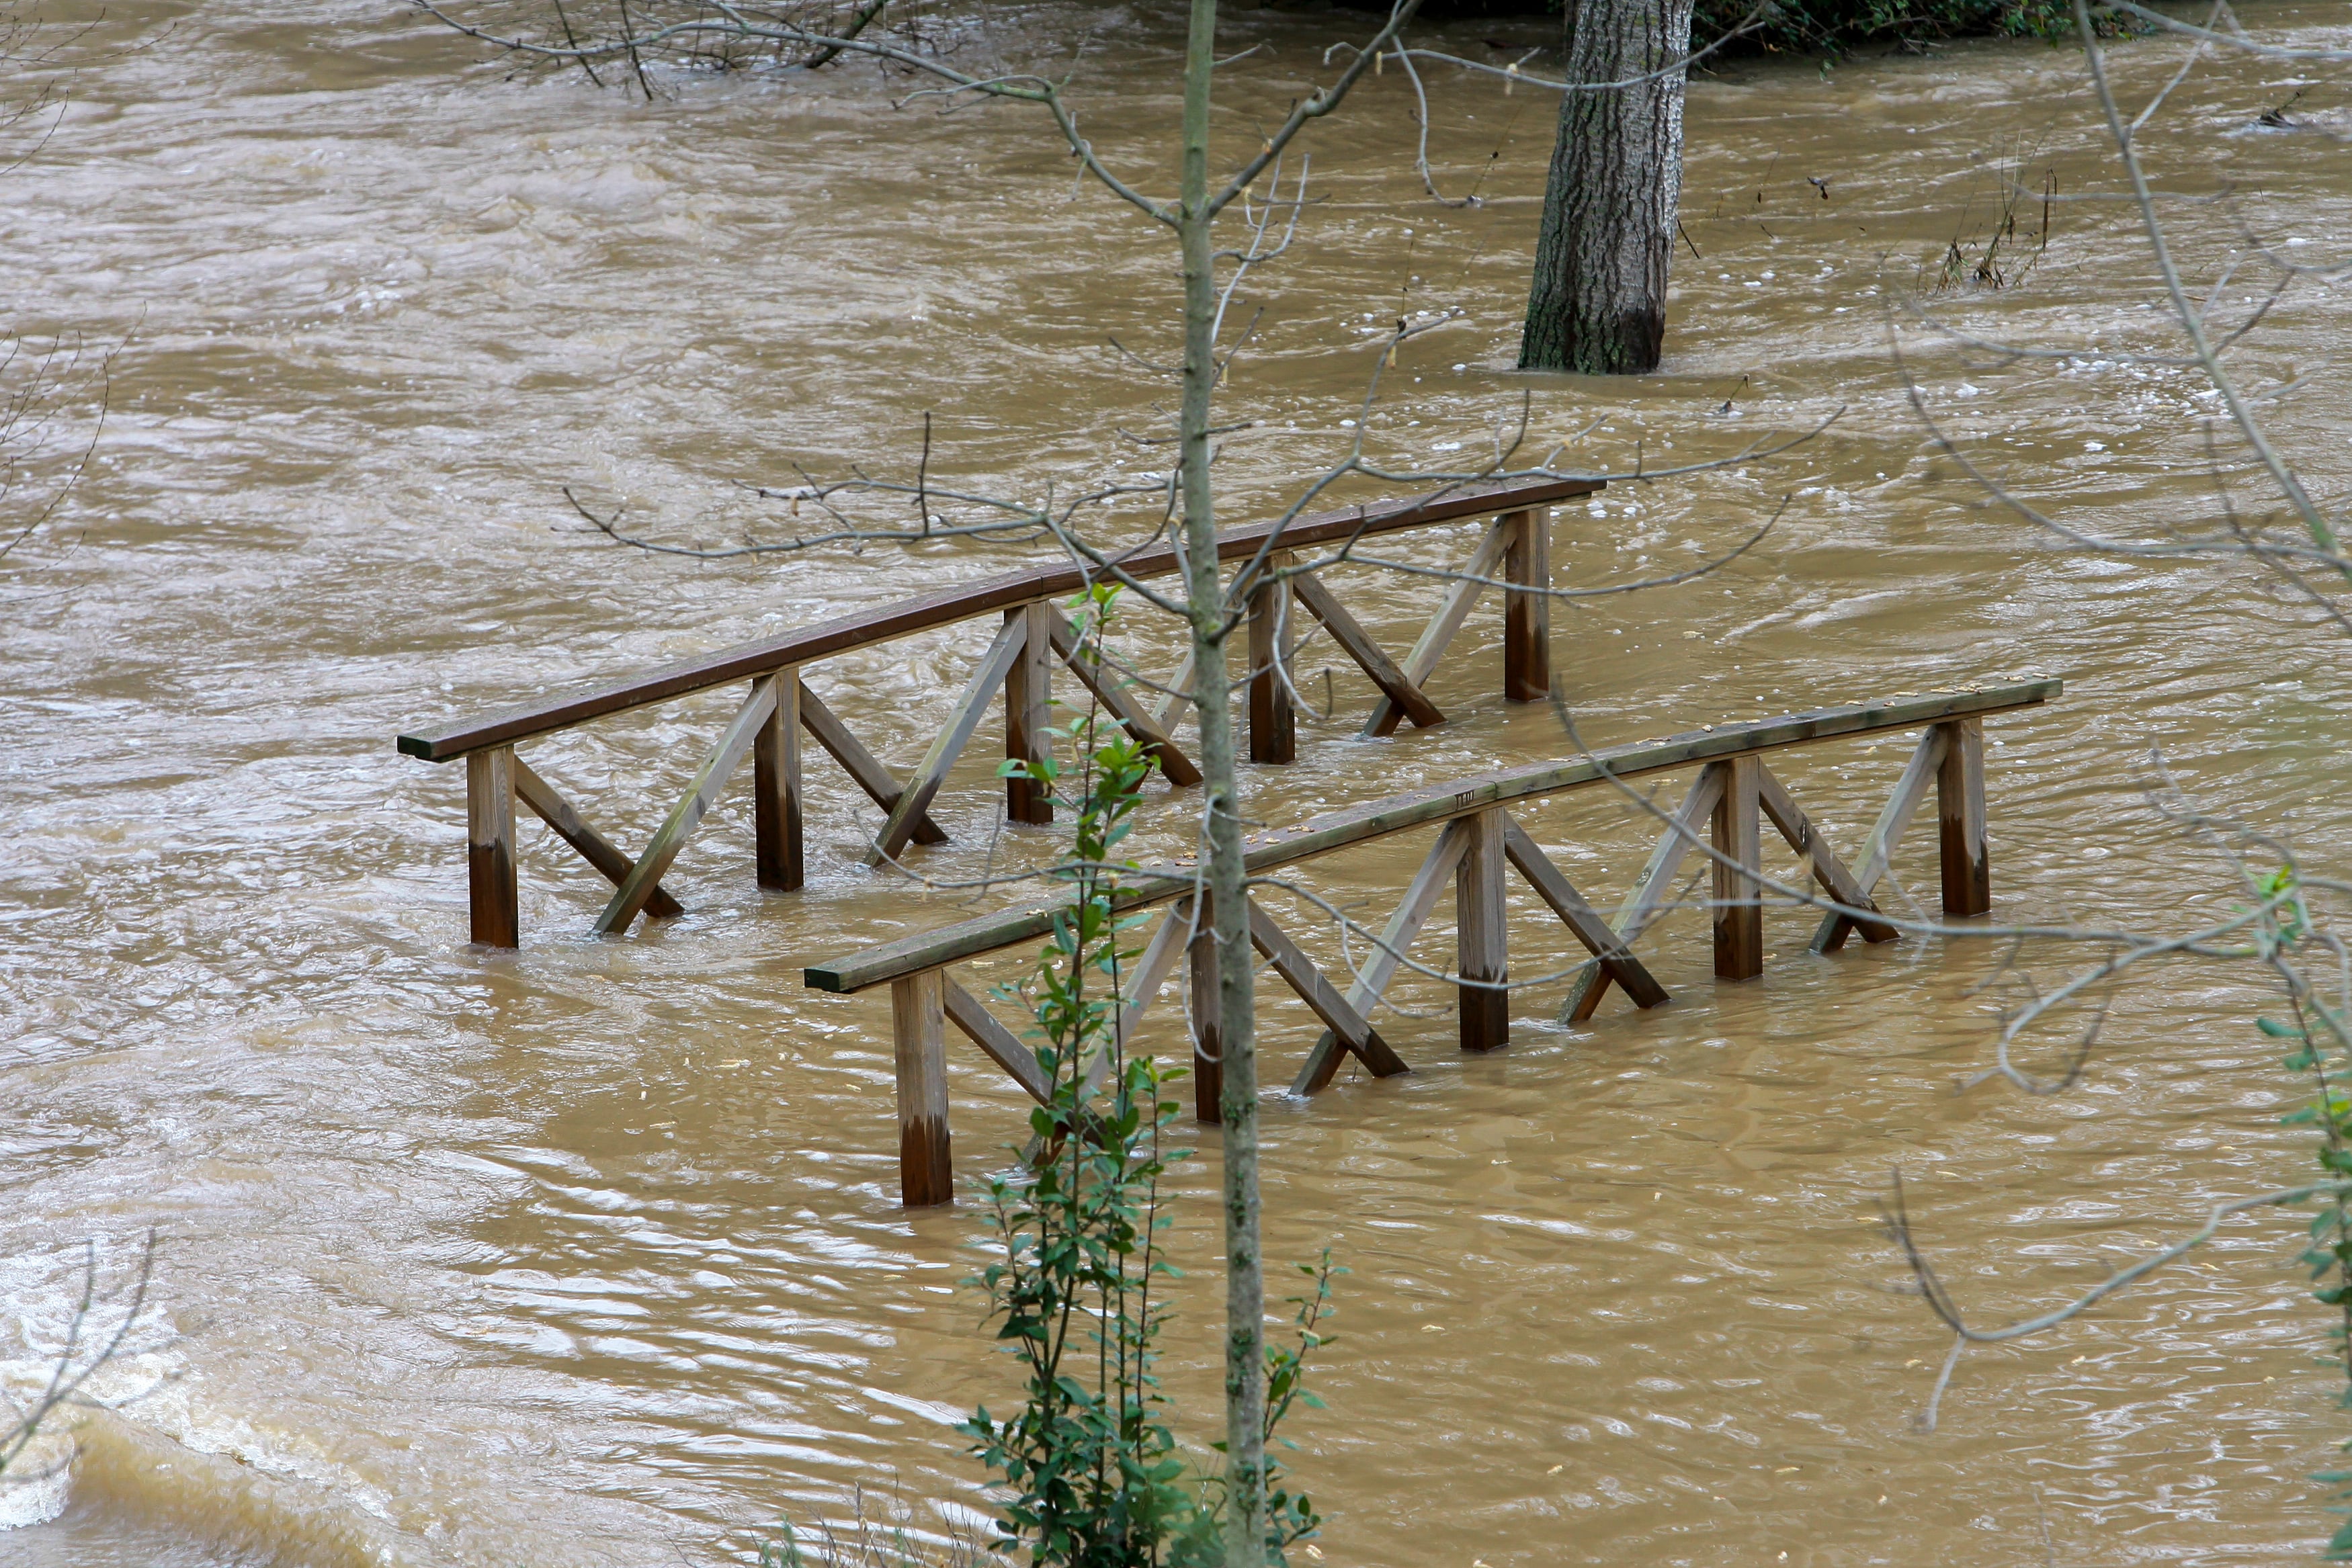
(1019, 660)
(1476, 838)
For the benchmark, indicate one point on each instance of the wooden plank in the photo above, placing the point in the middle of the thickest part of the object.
(552, 807)
(917, 1020)
(1003, 1047)
(881, 785)
(1273, 722)
(1482, 936)
(1966, 861)
(1451, 612)
(1208, 1031)
(1114, 696)
(1526, 616)
(1412, 913)
(1652, 888)
(1028, 689)
(1299, 973)
(629, 899)
(1339, 829)
(1356, 643)
(963, 719)
(1828, 871)
(867, 628)
(494, 904)
(1878, 849)
(1553, 887)
(1177, 699)
(777, 815)
(1738, 912)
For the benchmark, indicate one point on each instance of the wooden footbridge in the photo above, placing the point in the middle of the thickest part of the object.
(1476, 838)
(1032, 636)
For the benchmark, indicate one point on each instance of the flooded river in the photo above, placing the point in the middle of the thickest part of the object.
(591, 1254)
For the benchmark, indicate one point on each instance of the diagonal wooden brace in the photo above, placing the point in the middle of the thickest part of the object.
(1086, 663)
(1684, 828)
(1878, 849)
(1828, 871)
(552, 808)
(1412, 912)
(881, 785)
(1554, 888)
(1299, 973)
(1377, 667)
(986, 676)
(636, 888)
(1002, 1046)
(1460, 595)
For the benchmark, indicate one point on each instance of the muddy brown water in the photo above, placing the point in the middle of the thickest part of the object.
(590, 1255)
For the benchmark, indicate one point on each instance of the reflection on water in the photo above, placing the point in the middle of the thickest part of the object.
(589, 1254)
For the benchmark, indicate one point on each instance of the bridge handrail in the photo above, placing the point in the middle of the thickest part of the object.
(1356, 824)
(862, 629)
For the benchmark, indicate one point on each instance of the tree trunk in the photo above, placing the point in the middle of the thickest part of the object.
(1597, 305)
(1221, 799)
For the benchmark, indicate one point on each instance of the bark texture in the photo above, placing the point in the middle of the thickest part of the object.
(1597, 305)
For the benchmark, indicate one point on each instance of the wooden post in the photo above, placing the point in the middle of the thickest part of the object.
(1027, 688)
(918, 1021)
(1527, 617)
(1272, 727)
(1738, 900)
(1960, 819)
(776, 778)
(1208, 1033)
(490, 847)
(1481, 934)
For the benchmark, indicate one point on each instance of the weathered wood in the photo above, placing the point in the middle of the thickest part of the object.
(1299, 973)
(492, 899)
(917, 1020)
(1878, 849)
(864, 629)
(629, 899)
(1353, 639)
(1552, 885)
(1208, 1025)
(1461, 594)
(1829, 871)
(1652, 888)
(1482, 936)
(881, 785)
(1272, 722)
(1412, 912)
(964, 718)
(777, 821)
(1738, 897)
(1178, 697)
(1527, 606)
(1960, 820)
(552, 807)
(1001, 1046)
(1338, 829)
(1142, 984)
(1113, 694)
(1028, 689)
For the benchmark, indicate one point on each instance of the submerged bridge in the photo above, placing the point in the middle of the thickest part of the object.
(1476, 831)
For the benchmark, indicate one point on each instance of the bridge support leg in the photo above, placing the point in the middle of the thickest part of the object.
(1208, 1029)
(1738, 900)
(1960, 819)
(1273, 726)
(1481, 934)
(919, 1023)
(497, 918)
(776, 775)
(1526, 616)
(1028, 686)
